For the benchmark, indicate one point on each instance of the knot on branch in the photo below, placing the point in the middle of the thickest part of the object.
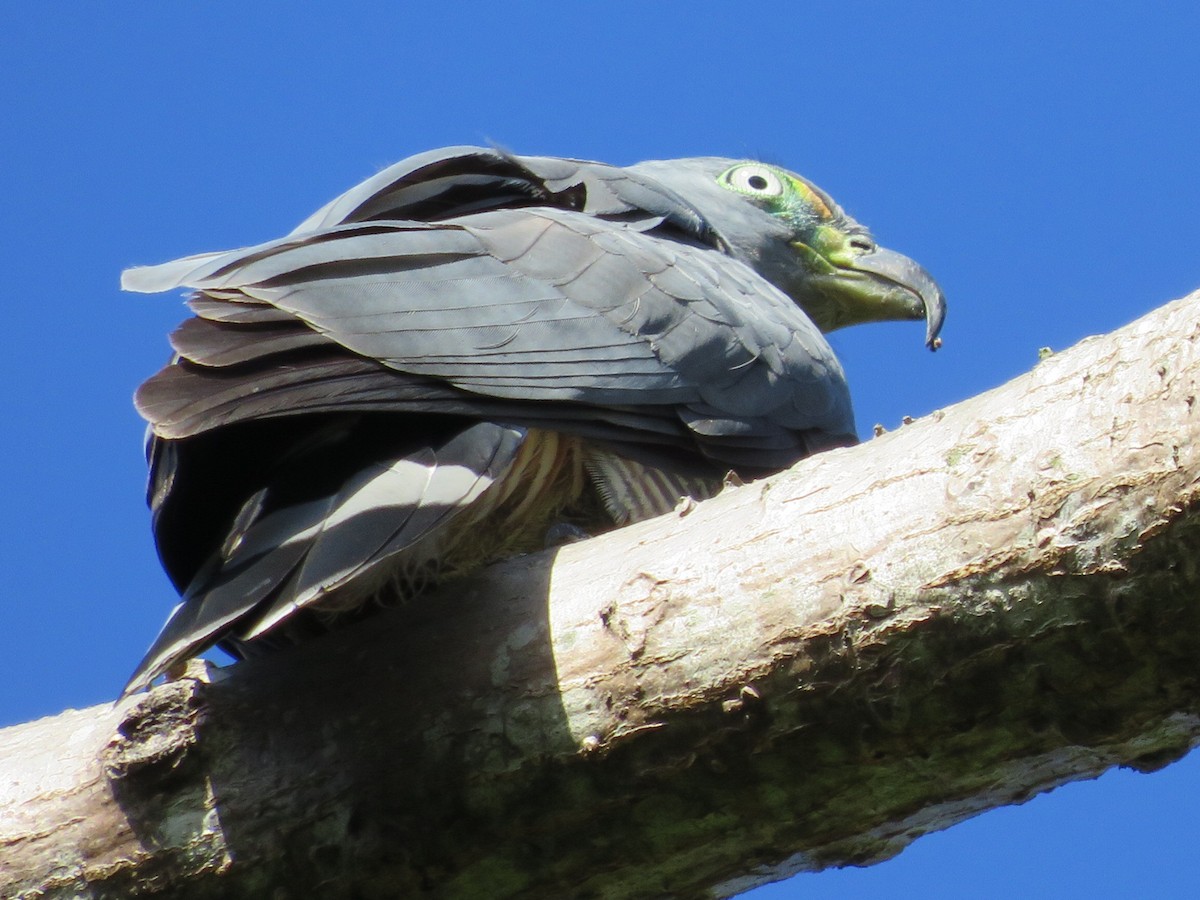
(159, 735)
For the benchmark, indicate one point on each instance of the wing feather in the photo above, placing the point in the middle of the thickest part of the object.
(551, 305)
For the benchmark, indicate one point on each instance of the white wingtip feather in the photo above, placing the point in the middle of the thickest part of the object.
(165, 276)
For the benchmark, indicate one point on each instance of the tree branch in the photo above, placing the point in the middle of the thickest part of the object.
(806, 671)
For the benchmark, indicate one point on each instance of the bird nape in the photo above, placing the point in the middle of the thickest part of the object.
(471, 350)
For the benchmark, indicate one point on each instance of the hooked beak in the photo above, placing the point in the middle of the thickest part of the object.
(907, 287)
(845, 286)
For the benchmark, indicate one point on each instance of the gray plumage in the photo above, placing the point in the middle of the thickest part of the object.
(470, 347)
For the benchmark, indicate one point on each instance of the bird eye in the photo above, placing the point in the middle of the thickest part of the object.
(753, 179)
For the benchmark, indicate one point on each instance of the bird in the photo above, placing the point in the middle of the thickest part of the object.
(472, 354)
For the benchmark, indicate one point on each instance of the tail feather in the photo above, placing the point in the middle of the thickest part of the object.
(301, 554)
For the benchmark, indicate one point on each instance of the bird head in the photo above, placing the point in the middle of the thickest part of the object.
(793, 234)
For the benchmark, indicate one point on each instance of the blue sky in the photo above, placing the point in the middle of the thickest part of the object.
(1040, 159)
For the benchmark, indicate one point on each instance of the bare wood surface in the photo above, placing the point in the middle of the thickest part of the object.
(806, 671)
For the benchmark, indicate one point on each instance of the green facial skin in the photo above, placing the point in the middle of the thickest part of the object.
(842, 277)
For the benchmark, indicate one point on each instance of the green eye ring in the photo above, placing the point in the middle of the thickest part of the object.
(754, 180)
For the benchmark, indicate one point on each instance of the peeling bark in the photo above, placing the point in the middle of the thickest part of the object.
(806, 671)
